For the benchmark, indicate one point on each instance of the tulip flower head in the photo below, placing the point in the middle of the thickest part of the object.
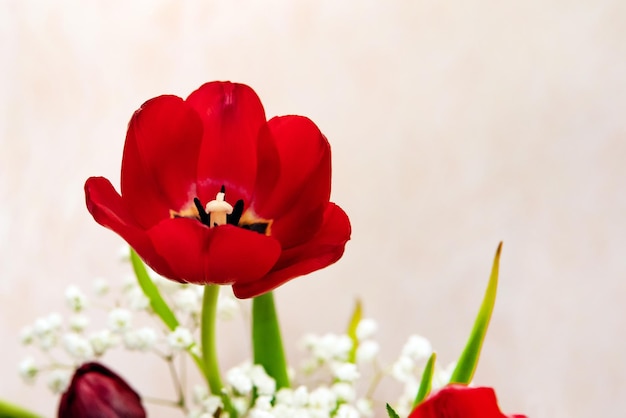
(213, 193)
(97, 392)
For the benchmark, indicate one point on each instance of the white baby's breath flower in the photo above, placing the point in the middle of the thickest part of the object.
(329, 347)
(264, 384)
(365, 407)
(211, 404)
(120, 320)
(78, 347)
(187, 300)
(240, 380)
(366, 329)
(367, 351)
(78, 323)
(142, 339)
(263, 403)
(284, 396)
(75, 298)
(417, 348)
(258, 413)
(137, 300)
(102, 340)
(199, 393)
(345, 391)
(100, 286)
(28, 370)
(300, 397)
(46, 330)
(403, 369)
(347, 411)
(180, 338)
(345, 372)
(227, 307)
(323, 398)
(58, 380)
(27, 335)
(441, 376)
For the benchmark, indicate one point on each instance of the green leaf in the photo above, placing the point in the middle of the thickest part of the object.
(466, 366)
(357, 314)
(267, 343)
(391, 412)
(9, 410)
(157, 302)
(427, 380)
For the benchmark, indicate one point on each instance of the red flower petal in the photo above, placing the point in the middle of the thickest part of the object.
(232, 115)
(97, 392)
(221, 255)
(326, 247)
(160, 156)
(458, 401)
(109, 210)
(298, 199)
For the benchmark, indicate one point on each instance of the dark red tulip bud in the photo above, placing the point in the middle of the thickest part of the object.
(97, 392)
(459, 401)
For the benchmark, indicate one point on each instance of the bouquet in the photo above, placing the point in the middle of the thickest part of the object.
(214, 195)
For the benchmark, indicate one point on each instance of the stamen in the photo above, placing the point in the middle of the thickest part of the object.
(233, 218)
(219, 209)
(204, 217)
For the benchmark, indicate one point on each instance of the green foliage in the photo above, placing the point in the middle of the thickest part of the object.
(391, 412)
(427, 379)
(466, 366)
(357, 315)
(267, 342)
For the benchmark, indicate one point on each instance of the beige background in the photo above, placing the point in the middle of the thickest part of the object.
(454, 125)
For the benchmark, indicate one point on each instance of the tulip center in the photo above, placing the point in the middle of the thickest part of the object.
(219, 212)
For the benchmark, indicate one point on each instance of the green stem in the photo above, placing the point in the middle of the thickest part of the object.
(267, 343)
(209, 349)
(207, 329)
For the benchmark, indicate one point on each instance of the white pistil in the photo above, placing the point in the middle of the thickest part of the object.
(217, 210)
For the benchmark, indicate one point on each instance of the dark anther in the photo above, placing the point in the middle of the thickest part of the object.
(223, 189)
(204, 217)
(233, 218)
(260, 227)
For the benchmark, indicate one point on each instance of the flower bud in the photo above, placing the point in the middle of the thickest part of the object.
(96, 391)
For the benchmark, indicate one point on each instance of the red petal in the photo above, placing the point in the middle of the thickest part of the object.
(109, 210)
(298, 199)
(458, 401)
(221, 255)
(160, 159)
(325, 248)
(232, 115)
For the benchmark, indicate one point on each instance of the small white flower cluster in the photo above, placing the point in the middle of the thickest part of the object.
(408, 369)
(117, 312)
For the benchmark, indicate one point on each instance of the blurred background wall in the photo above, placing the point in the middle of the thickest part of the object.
(454, 125)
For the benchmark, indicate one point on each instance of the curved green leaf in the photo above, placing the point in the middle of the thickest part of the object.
(357, 314)
(466, 366)
(427, 380)
(9, 410)
(391, 412)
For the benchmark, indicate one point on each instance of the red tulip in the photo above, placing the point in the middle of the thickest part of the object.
(458, 401)
(97, 392)
(211, 192)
